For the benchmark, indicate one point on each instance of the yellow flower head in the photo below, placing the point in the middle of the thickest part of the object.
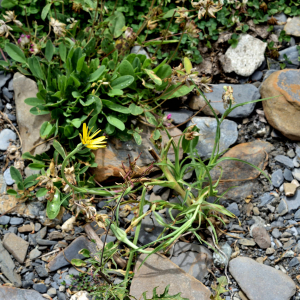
(88, 141)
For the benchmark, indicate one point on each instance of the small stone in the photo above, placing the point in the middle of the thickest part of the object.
(246, 242)
(10, 293)
(287, 174)
(277, 178)
(233, 207)
(8, 96)
(41, 271)
(27, 284)
(257, 76)
(55, 235)
(16, 246)
(265, 199)
(270, 251)
(16, 221)
(289, 244)
(4, 220)
(34, 254)
(6, 136)
(296, 173)
(284, 160)
(261, 237)
(291, 153)
(282, 208)
(256, 211)
(289, 189)
(292, 26)
(297, 214)
(40, 287)
(276, 233)
(294, 262)
(292, 55)
(198, 102)
(26, 228)
(3, 79)
(61, 296)
(219, 258)
(7, 177)
(295, 182)
(51, 292)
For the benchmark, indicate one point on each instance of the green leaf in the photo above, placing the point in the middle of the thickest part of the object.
(59, 148)
(115, 92)
(45, 11)
(137, 137)
(49, 50)
(90, 47)
(115, 122)
(9, 3)
(80, 64)
(170, 13)
(116, 24)
(76, 122)
(15, 52)
(164, 296)
(126, 68)
(97, 74)
(90, 99)
(78, 262)
(36, 166)
(153, 76)
(53, 207)
(116, 107)
(45, 129)
(34, 101)
(156, 134)
(62, 52)
(12, 192)
(39, 110)
(68, 131)
(35, 67)
(122, 82)
(184, 90)
(86, 253)
(187, 65)
(41, 192)
(15, 174)
(135, 110)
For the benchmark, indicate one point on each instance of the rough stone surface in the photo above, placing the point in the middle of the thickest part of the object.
(283, 112)
(241, 175)
(241, 93)
(261, 237)
(16, 246)
(277, 178)
(5, 136)
(179, 116)
(109, 159)
(293, 202)
(192, 258)
(289, 189)
(246, 57)
(29, 124)
(208, 128)
(158, 271)
(284, 160)
(8, 267)
(292, 55)
(292, 26)
(7, 177)
(71, 252)
(259, 281)
(10, 293)
(198, 102)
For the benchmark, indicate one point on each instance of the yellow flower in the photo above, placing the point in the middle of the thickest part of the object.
(87, 139)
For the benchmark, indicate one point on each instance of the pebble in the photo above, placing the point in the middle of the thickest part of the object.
(3, 79)
(5, 136)
(284, 160)
(289, 189)
(16, 246)
(4, 220)
(277, 178)
(296, 173)
(34, 253)
(256, 211)
(16, 221)
(41, 271)
(287, 174)
(294, 262)
(261, 237)
(233, 207)
(292, 55)
(282, 208)
(276, 233)
(40, 287)
(7, 177)
(51, 292)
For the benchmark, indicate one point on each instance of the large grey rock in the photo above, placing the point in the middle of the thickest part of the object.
(259, 281)
(292, 26)
(241, 93)
(8, 268)
(208, 127)
(9, 293)
(158, 271)
(16, 246)
(29, 124)
(292, 55)
(192, 258)
(6, 136)
(246, 57)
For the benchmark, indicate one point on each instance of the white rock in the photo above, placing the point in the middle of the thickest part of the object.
(80, 296)
(246, 57)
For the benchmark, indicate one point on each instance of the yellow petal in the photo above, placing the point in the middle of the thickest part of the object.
(94, 134)
(99, 139)
(84, 131)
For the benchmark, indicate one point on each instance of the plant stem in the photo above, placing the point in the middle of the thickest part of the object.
(94, 20)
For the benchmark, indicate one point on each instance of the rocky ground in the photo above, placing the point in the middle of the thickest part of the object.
(262, 244)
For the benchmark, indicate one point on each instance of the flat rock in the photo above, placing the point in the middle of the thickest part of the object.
(110, 159)
(292, 55)
(241, 93)
(71, 252)
(259, 281)
(158, 271)
(8, 268)
(240, 175)
(6, 136)
(29, 124)
(197, 102)
(16, 246)
(179, 116)
(208, 127)
(261, 237)
(283, 112)
(277, 178)
(292, 26)
(10, 293)
(284, 160)
(3, 79)
(246, 57)
(192, 258)
(293, 202)
(289, 189)
(7, 177)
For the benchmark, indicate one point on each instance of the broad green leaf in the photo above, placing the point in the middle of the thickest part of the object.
(15, 174)
(126, 68)
(41, 192)
(45, 129)
(116, 24)
(34, 101)
(153, 76)
(45, 11)
(156, 134)
(116, 107)
(11, 192)
(76, 122)
(137, 137)
(135, 110)
(92, 121)
(115, 122)
(170, 13)
(78, 262)
(90, 99)
(39, 110)
(36, 166)
(80, 63)
(97, 74)
(122, 82)
(86, 253)
(187, 65)
(9, 3)
(68, 130)
(90, 46)
(182, 91)
(49, 50)
(59, 148)
(15, 52)
(62, 52)
(115, 92)
(35, 67)
(53, 207)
